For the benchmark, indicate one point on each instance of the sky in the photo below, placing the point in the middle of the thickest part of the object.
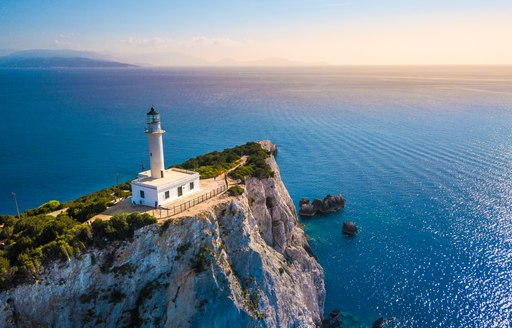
(337, 32)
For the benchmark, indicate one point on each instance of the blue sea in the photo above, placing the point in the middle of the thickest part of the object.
(423, 156)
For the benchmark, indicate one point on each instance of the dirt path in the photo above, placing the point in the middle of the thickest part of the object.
(57, 212)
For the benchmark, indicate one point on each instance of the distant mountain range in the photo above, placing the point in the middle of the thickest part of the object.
(58, 58)
(65, 58)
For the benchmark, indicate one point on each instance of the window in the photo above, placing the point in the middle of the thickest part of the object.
(167, 194)
(180, 191)
(161, 174)
(142, 194)
(191, 185)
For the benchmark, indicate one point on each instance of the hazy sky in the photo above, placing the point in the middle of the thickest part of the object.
(334, 31)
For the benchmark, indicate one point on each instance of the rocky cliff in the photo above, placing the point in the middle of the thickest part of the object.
(242, 263)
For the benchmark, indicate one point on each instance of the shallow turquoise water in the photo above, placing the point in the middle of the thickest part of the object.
(422, 155)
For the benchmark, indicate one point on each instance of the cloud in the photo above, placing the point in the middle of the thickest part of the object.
(217, 42)
(194, 45)
(150, 42)
(63, 41)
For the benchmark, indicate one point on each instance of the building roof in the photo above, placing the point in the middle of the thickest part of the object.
(152, 111)
(173, 177)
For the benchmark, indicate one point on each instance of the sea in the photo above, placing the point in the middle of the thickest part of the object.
(422, 155)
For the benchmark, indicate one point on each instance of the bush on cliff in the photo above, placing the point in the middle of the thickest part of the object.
(235, 191)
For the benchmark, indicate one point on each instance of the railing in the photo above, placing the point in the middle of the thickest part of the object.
(183, 170)
(177, 209)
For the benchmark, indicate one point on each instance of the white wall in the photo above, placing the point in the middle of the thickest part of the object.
(156, 155)
(173, 192)
(152, 195)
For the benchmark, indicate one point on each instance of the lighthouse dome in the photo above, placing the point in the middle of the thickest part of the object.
(152, 116)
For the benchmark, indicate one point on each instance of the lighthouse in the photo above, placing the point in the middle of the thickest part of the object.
(158, 186)
(156, 147)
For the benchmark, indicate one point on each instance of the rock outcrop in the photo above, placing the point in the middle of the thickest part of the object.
(334, 320)
(327, 205)
(349, 229)
(385, 323)
(242, 263)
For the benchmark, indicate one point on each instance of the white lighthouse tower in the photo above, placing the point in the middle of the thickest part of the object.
(156, 147)
(158, 186)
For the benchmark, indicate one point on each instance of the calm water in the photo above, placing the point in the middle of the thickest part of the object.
(423, 157)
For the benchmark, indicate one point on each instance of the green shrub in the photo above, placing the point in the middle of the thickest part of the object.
(45, 208)
(241, 172)
(235, 191)
(84, 211)
(269, 202)
(201, 262)
(5, 269)
(120, 226)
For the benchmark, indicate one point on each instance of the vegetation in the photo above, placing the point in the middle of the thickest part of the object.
(269, 201)
(30, 241)
(48, 207)
(202, 260)
(215, 163)
(116, 296)
(119, 227)
(235, 191)
(85, 207)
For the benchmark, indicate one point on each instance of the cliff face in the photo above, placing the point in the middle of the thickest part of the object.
(243, 263)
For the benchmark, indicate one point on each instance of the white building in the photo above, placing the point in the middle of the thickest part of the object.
(159, 186)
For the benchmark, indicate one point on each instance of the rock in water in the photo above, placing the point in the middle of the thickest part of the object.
(333, 203)
(334, 320)
(384, 322)
(318, 206)
(307, 210)
(303, 200)
(349, 229)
